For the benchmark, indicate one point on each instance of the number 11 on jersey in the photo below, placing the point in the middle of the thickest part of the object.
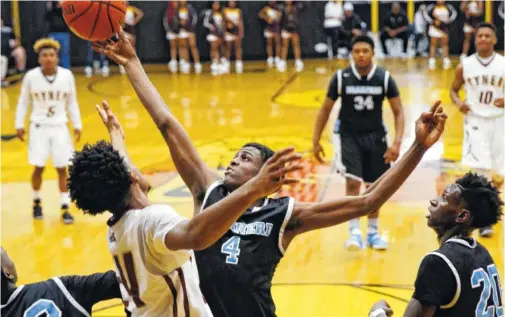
(232, 248)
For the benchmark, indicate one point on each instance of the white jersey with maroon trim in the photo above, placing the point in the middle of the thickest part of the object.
(155, 281)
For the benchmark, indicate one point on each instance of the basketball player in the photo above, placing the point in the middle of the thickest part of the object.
(50, 90)
(459, 279)
(362, 153)
(482, 75)
(60, 296)
(151, 243)
(236, 271)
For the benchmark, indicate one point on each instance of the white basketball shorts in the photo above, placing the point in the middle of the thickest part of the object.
(49, 140)
(483, 143)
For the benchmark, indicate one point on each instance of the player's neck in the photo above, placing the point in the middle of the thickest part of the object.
(364, 71)
(485, 54)
(444, 235)
(48, 71)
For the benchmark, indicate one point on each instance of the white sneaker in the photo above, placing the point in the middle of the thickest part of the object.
(184, 67)
(447, 63)
(239, 67)
(122, 71)
(281, 66)
(96, 66)
(198, 68)
(172, 66)
(88, 71)
(355, 242)
(299, 65)
(105, 71)
(432, 63)
(277, 60)
(270, 62)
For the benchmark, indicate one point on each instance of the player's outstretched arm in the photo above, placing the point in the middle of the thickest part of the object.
(112, 124)
(205, 228)
(194, 172)
(311, 216)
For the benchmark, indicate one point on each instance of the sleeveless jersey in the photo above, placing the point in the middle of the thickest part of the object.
(236, 272)
(62, 296)
(461, 279)
(362, 98)
(155, 281)
(484, 84)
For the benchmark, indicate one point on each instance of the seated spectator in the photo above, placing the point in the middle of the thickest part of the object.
(333, 16)
(11, 48)
(58, 30)
(396, 24)
(351, 26)
(419, 28)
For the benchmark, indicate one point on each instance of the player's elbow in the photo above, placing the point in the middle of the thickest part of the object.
(164, 123)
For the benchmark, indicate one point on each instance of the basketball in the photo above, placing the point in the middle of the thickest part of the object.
(94, 20)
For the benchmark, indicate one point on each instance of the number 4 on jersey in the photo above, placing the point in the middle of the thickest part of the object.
(361, 103)
(232, 248)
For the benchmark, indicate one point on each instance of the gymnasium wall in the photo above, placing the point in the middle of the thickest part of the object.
(152, 46)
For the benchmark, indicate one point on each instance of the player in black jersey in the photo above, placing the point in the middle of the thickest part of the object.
(362, 154)
(236, 272)
(460, 279)
(60, 296)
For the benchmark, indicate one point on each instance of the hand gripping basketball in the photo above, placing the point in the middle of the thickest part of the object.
(273, 173)
(120, 51)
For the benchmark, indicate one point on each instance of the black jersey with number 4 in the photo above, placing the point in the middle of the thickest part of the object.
(62, 296)
(236, 272)
(461, 280)
(362, 98)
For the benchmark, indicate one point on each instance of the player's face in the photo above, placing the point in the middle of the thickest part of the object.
(444, 209)
(395, 8)
(362, 54)
(485, 40)
(244, 166)
(232, 4)
(48, 58)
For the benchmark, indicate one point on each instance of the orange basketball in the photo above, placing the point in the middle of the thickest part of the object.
(94, 20)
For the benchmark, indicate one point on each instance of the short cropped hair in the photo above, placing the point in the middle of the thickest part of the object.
(485, 25)
(46, 43)
(265, 151)
(363, 39)
(482, 199)
(99, 179)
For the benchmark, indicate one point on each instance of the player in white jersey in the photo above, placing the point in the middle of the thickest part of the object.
(151, 244)
(482, 74)
(50, 90)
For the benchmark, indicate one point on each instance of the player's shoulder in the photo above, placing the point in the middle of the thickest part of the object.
(65, 71)
(33, 72)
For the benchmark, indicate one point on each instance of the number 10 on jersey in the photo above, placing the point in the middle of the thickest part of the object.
(232, 248)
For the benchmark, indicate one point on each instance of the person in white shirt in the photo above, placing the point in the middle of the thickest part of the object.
(333, 16)
(50, 90)
(150, 243)
(483, 78)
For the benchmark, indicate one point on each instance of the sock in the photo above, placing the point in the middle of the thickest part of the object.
(65, 199)
(36, 195)
(354, 225)
(373, 225)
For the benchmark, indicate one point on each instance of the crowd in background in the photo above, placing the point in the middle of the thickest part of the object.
(223, 22)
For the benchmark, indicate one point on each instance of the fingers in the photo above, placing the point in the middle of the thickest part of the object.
(435, 105)
(122, 35)
(102, 113)
(285, 170)
(290, 181)
(280, 153)
(287, 158)
(107, 108)
(318, 157)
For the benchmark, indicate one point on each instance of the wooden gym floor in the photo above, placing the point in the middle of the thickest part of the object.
(318, 277)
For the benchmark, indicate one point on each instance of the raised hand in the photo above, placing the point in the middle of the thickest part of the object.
(273, 173)
(318, 151)
(430, 125)
(109, 119)
(120, 51)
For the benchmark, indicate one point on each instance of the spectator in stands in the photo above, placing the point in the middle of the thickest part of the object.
(132, 18)
(58, 30)
(474, 14)
(234, 34)
(333, 16)
(352, 26)
(419, 29)
(12, 48)
(272, 14)
(187, 25)
(290, 31)
(171, 24)
(96, 65)
(439, 16)
(396, 24)
(214, 22)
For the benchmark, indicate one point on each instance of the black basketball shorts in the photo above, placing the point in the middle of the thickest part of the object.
(360, 155)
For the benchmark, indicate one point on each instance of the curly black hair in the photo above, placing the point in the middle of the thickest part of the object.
(265, 151)
(482, 199)
(99, 179)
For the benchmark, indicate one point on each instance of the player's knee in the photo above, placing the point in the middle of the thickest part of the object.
(62, 171)
(38, 170)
